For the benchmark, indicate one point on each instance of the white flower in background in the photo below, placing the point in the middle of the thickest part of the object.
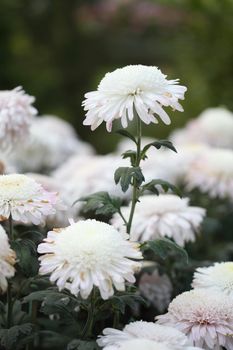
(63, 209)
(144, 88)
(212, 173)
(146, 344)
(143, 330)
(7, 260)
(156, 288)
(24, 199)
(165, 215)
(16, 112)
(88, 175)
(87, 254)
(52, 141)
(205, 316)
(218, 277)
(213, 127)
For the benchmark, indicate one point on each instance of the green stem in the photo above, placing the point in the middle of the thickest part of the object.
(9, 289)
(87, 330)
(137, 163)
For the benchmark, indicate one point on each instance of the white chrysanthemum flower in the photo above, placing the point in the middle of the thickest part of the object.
(213, 127)
(205, 316)
(16, 112)
(163, 215)
(7, 260)
(24, 199)
(157, 289)
(143, 330)
(146, 344)
(52, 141)
(144, 88)
(88, 175)
(218, 277)
(212, 173)
(87, 254)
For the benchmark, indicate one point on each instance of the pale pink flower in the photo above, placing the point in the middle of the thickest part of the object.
(16, 113)
(7, 260)
(24, 199)
(205, 316)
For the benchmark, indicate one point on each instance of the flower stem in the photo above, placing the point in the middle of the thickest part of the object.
(87, 330)
(137, 164)
(9, 289)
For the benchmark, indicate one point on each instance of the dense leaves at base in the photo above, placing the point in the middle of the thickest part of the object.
(16, 337)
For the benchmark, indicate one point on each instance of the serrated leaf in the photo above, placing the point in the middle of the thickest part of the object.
(101, 203)
(130, 154)
(127, 134)
(158, 144)
(126, 175)
(151, 186)
(163, 247)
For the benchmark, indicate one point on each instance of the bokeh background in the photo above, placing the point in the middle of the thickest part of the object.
(58, 50)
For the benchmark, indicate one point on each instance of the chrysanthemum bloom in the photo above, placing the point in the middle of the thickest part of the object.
(156, 288)
(144, 88)
(146, 344)
(7, 260)
(16, 112)
(143, 330)
(218, 277)
(205, 316)
(24, 199)
(52, 141)
(163, 215)
(213, 127)
(87, 254)
(212, 173)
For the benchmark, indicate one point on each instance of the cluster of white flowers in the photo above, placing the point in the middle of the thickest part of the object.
(50, 143)
(87, 254)
(165, 215)
(16, 113)
(7, 260)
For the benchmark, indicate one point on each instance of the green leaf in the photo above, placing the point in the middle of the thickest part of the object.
(101, 203)
(151, 186)
(158, 145)
(130, 154)
(120, 300)
(126, 175)
(52, 340)
(127, 134)
(27, 256)
(78, 344)
(16, 337)
(164, 247)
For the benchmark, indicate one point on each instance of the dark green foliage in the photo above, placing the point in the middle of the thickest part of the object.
(16, 337)
(166, 186)
(158, 144)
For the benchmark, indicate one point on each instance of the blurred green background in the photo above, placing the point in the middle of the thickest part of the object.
(60, 49)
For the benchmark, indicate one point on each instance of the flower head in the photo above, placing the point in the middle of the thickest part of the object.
(7, 260)
(168, 336)
(205, 316)
(218, 277)
(24, 199)
(147, 344)
(87, 254)
(165, 215)
(144, 88)
(16, 112)
(212, 173)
